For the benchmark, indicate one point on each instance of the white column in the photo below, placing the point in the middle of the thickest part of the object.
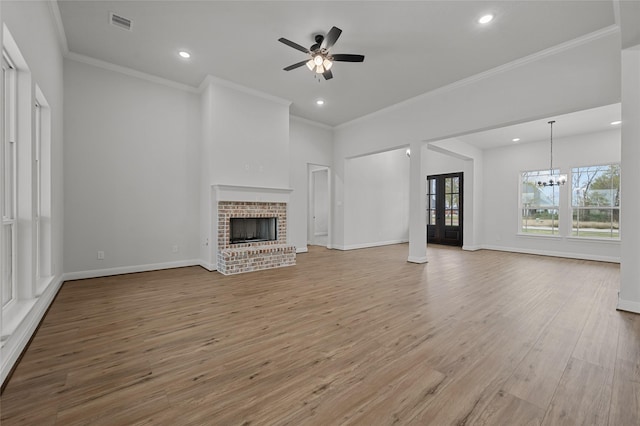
(417, 205)
(629, 296)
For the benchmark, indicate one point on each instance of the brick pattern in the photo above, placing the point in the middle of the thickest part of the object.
(248, 257)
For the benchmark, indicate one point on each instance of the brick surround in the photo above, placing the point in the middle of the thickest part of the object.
(248, 257)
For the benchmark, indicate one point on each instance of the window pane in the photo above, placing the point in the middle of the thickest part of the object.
(596, 223)
(455, 217)
(534, 195)
(456, 185)
(540, 221)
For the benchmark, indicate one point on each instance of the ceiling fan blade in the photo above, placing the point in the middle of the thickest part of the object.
(347, 57)
(328, 75)
(294, 45)
(296, 65)
(331, 37)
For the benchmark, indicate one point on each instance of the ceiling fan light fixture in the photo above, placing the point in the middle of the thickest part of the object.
(327, 64)
(318, 59)
(311, 65)
(319, 69)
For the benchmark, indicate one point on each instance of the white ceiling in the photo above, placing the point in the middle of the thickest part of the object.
(577, 123)
(410, 47)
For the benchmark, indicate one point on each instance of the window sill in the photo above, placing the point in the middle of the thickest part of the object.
(537, 236)
(595, 240)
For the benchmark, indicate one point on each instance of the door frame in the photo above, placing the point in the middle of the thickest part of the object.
(442, 240)
(311, 199)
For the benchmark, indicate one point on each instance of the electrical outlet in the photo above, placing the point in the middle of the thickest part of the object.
(174, 249)
(100, 255)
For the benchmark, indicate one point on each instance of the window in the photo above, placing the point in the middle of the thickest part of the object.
(539, 205)
(9, 183)
(595, 201)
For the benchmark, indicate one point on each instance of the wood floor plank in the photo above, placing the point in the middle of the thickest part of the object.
(359, 337)
(583, 396)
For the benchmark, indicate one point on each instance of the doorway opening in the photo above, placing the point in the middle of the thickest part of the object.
(444, 209)
(318, 217)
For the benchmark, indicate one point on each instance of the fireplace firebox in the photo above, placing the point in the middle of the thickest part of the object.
(252, 229)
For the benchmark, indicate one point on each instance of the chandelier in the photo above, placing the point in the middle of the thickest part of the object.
(553, 180)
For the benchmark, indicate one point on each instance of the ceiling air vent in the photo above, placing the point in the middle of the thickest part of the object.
(120, 21)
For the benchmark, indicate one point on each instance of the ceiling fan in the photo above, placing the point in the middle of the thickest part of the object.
(321, 59)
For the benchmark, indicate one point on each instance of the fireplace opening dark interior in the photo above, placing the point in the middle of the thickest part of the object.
(252, 229)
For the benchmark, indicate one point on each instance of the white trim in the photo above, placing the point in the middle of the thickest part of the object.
(302, 250)
(628, 305)
(54, 7)
(129, 71)
(208, 266)
(241, 188)
(96, 273)
(19, 339)
(209, 79)
(471, 248)
(604, 32)
(309, 122)
(412, 259)
(369, 245)
(568, 255)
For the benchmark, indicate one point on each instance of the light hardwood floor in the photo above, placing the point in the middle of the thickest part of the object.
(359, 337)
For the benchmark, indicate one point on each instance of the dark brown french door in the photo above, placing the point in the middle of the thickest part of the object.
(444, 209)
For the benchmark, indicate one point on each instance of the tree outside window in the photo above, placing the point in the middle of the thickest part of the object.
(595, 201)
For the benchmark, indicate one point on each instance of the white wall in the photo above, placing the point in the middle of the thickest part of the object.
(519, 93)
(32, 27)
(376, 199)
(310, 143)
(502, 170)
(629, 298)
(250, 138)
(131, 171)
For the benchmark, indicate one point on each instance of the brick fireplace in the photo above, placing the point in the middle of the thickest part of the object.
(251, 203)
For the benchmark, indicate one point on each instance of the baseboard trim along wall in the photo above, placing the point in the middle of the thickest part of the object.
(19, 339)
(302, 249)
(96, 273)
(369, 245)
(581, 256)
(628, 306)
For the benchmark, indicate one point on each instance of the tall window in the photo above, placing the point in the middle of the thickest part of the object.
(595, 201)
(9, 184)
(539, 206)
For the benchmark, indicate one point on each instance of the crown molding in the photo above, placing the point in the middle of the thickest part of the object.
(209, 80)
(128, 71)
(554, 50)
(310, 122)
(57, 19)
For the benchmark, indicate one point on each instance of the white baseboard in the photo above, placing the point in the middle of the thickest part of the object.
(19, 339)
(581, 256)
(628, 305)
(96, 273)
(208, 266)
(413, 259)
(369, 245)
(471, 248)
(302, 249)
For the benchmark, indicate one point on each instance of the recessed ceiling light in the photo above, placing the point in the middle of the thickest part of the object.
(319, 102)
(615, 123)
(515, 140)
(184, 54)
(486, 19)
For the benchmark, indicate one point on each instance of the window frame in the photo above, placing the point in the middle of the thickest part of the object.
(8, 207)
(556, 232)
(611, 209)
